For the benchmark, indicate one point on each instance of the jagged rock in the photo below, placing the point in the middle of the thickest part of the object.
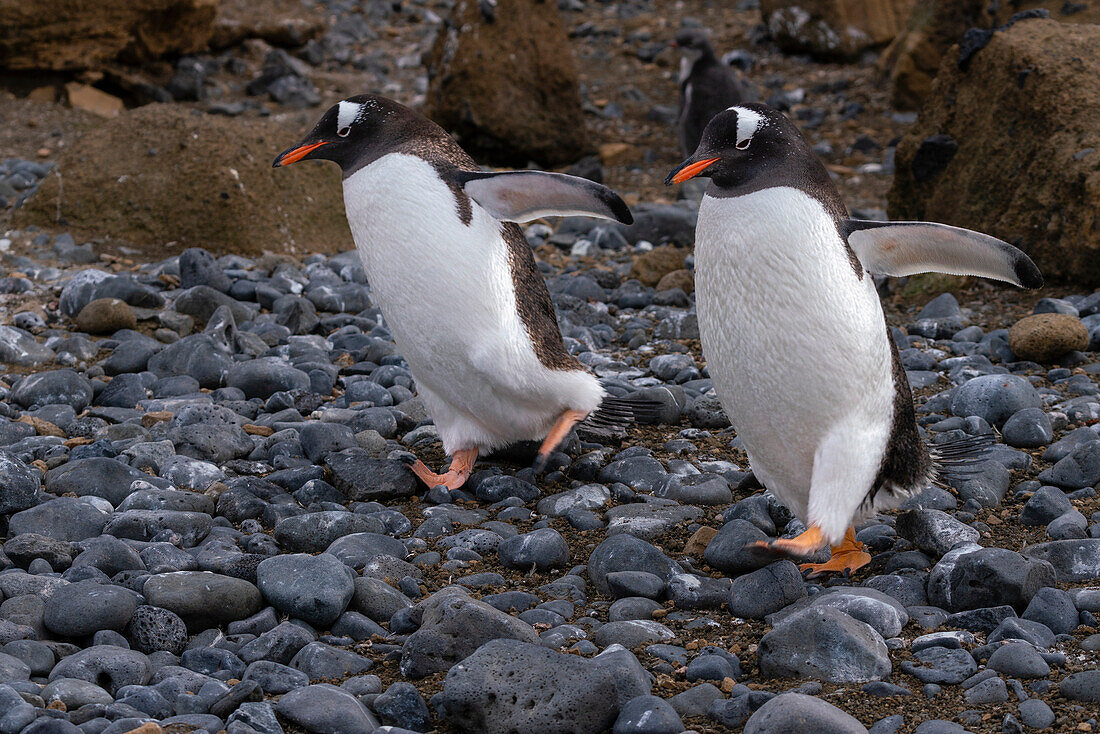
(834, 29)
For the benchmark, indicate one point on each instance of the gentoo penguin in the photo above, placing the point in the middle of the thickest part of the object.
(794, 334)
(456, 280)
(707, 86)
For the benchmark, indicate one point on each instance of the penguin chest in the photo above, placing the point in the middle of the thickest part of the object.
(795, 341)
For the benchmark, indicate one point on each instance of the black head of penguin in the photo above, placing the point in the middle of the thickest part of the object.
(359, 130)
(694, 43)
(751, 147)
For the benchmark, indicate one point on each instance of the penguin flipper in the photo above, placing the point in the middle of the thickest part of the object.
(907, 248)
(521, 196)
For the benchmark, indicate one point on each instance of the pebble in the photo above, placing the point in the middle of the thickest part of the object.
(794, 713)
(315, 589)
(813, 642)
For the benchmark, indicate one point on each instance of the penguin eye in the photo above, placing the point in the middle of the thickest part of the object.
(343, 132)
(743, 144)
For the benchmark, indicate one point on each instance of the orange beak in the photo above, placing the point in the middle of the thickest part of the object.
(691, 170)
(296, 154)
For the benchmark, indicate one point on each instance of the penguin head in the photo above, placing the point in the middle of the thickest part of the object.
(355, 132)
(739, 144)
(693, 44)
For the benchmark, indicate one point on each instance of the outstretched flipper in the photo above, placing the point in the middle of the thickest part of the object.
(521, 196)
(908, 248)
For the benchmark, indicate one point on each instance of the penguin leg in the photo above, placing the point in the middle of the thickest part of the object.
(848, 556)
(462, 465)
(562, 426)
(803, 544)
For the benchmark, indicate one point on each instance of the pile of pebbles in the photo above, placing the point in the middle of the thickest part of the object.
(208, 524)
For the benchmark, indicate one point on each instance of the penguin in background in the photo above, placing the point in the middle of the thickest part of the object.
(457, 282)
(708, 86)
(794, 334)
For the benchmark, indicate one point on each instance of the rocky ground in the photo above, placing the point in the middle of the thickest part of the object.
(207, 523)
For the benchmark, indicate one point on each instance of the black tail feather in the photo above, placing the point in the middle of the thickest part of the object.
(961, 458)
(615, 414)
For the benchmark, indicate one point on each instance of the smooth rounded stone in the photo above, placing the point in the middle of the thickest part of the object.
(74, 693)
(941, 665)
(378, 600)
(883, 613)
(933, 531)
(212, 661)
(631, 679)
(18, 347)
(364, 478)
(202, 598)
(906, 585)
(343, 534)
(1046, 504)
(1083, 686)
(316, 589)
(640, 473)
(624, 584)
(1018, 660)
(1045, 337)
(647, 715)
(107, 666)
(13, 669)
(990, 690)
(319, 439)
(696, 701)
(587, 497)
(690, 591)
(53, 387)
(325, 709)
(262, 377)
(508, 686)
(124, 391)
(994, 398)
(401, 705)
(19, 485)
(152, 629)
(279, 644)
(950, 639)
(165, 558)
(632, 607)
(145, 525)
(796, 713)
(1029, 428)
(275, 678)
(79, 609)
(1079, 469)
(765, 591)
(627, 553)
(713, 663)
(826, 644)
(632, 633)
(939, 726)
(696, 489)
(201, 356)
(108, 554)
(729, 550)
(649, 521)
(324, 662)
(1053, 608)
(970, 577)
(1073, 560)
(453, 625)
(65, 518)
(97, 476)
(1036, 713)
(198, 267)
(256, 715)
(735, 711)
(540, 549)
(38, 656)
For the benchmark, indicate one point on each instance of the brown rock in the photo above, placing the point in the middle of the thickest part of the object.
(914, 57)
(154, 417)
(1045, 337)
(699, 541)
(834, 29)
(278, 22)
(106, 316)
(42, 426)
(987, 153)
(681, 279)
(90, 99)
(612, 154)
(65, 35)
(650, 267)
(507, 87)
(210, 184)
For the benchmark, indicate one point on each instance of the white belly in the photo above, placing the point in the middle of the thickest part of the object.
(795, 343)
(446, 292)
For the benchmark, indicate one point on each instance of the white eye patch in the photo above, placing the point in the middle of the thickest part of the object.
(748, 122)
(347, 113)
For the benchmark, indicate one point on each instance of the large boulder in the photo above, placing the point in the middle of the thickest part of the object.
(914, 57)
(502, 80)
(63, 35)
(210, 184)
(987, 153)
(834, 29)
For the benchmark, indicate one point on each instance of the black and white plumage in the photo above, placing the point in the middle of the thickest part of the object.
(455, 277)
(794, 334)
(707, 86)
